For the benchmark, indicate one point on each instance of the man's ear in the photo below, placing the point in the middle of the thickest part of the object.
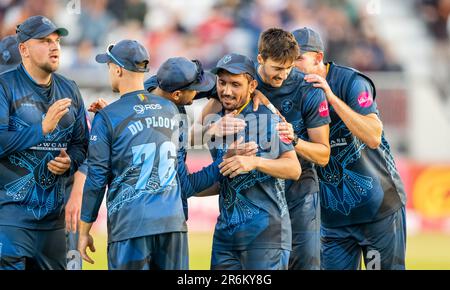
(119, 70)
(260, 59)
(252, 86)
(319, 57)
(23, 49)
(176, 95)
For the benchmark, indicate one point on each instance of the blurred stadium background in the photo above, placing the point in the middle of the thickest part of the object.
(403, 45)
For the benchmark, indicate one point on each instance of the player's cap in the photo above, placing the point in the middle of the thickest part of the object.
(180, 73)
(37, 27)
(236, 64)
(9, 53)
(128, 54)
(308, 40)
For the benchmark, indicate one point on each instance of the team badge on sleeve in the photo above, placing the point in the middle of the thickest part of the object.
(323, 109)
(365, 100)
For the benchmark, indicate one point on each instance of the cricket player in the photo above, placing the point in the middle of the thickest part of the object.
(133, 150)
(253, 230)
(306, 116)
(43, 140)
(362, 195)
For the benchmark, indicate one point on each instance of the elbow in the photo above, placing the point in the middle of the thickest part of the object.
(373, 143)
(322, 162)
(295, 172)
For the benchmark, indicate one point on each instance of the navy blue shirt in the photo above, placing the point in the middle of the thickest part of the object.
(133, 150)
(359, 184)
(191, 183)
(305, 107)
(30, 195)
(253, 208)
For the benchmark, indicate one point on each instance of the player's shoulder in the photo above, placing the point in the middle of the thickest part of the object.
(264, 111)
(305, 89)
(349, 73)
(64, 80)
(8, 76)
(163, 102)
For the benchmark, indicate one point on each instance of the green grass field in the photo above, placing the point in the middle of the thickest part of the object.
(424, 252)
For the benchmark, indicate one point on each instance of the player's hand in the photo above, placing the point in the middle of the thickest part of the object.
(72, 212)
(286, 131)
(227, 125)
(97, 105)
(54, 114)
(60, 164)
(85, 241)
(244, 149)
(260, 98)
(320, 82)
(236, 165)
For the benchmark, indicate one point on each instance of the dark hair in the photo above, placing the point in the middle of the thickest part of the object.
(279, 45)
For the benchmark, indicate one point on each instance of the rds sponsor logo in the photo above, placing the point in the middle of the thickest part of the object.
(140, 109)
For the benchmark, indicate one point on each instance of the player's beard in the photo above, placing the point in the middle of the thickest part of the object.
(48, 68)
(272, 81)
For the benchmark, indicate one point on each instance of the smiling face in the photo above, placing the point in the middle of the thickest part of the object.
(234, 90)
(273, 72)
(44, 53)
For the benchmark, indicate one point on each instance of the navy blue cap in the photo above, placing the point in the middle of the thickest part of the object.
(9, 53)
(308, 40)
(127, 54)
(37, 27)
(236, 64)
(180, 73)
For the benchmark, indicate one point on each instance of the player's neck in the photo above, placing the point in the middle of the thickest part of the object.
(322, 70)
(38, 75)
(131, 86)
(159, 92)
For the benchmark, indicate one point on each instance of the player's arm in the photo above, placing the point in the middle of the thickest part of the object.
(282, 161)
(193, 183)
(316, 119)
(317, 149)
(359, 115)
(286, 166)
(73, 206)
(85, 240)
(24, 138)
(78, 146)
(210, 191)
(209, 124)
(99, 168)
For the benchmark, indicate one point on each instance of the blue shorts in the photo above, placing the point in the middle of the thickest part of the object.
(255, 259)
(305, 220)
(382, 243)
(24, 249)
(167, 251)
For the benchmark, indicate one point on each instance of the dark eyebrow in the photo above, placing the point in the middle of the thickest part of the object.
(280, 67)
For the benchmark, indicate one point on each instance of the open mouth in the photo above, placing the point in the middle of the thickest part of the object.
(54, 57)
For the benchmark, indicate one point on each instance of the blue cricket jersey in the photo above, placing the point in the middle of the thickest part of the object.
(191, 183)
(253, 208)
(359, 184)
(305, 107)
(133, 150)
(30, 195)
